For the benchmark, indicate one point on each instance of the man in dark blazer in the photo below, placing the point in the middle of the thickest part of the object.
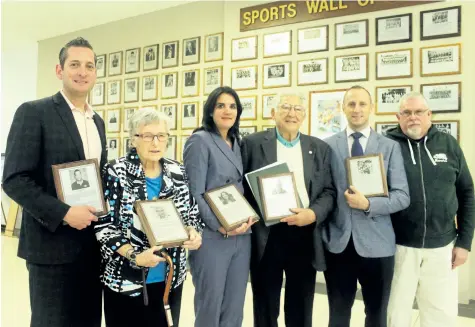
(293, 246)
(56, 240)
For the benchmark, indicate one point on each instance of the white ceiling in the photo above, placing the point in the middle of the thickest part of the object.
(24, 22)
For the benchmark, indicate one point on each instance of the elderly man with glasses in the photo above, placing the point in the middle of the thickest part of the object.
(434, 234)
(293, 246)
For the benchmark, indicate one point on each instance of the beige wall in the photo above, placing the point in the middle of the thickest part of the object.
(202, 18)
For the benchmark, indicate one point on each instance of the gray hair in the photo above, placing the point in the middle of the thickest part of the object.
(412, 95)
(144, 117)
(281, 96)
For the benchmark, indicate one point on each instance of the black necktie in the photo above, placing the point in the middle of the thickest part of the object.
(356, 148)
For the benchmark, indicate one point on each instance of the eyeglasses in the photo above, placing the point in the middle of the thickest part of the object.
(149, 137)
(299, 109)
(409, 113)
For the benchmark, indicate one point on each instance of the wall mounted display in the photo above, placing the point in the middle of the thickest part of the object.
(169, 85)
(249, 107)
(170, 110)
(214, 47)
(149, 87)
(246, 130)
(312, 39)
(394, 29)
(441, 60)
(268, 102)
(170, 51)
(351, 68)
(131, 89)
(387, 98)
(351, 34)
(191, 51)
(213, 78)
(244, 48)
(244, 78)
(150, 57)
(326, 113)
(101, 66)
(97, 95)
(383, 127)
(312, 71)
(115, 63)
(277, 44)
(189, 115)
(441, 23)
(451, 127)
(100, 113)
(114, 91)
(126, 145)
(276, 75)
(443, 97)
(191, 83)
(132, 60)
(171, 147)
(127, 113)
(113, 122)
(113, 148)
(394, 64)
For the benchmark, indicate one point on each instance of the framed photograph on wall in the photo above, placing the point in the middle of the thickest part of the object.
(213, 78)
(383, 127)
(189, 115)
(101, 66)
(126, 145)
(312, 71)
(171, 147)
(114, 91)
(246, 130)
(127, 113)
(277, 44)
(113, 148)
(115, 63)
(183, 140)
(441, 60)
(351, 34)
(351, 68)
(214, 47)
(268, 102)
(191, 51)
(113, 120)
(394, 64)
(97, 94)
(326, 116)
(394, 29)
(276, 75)
(170, 110)
(191, 83)
(388, 98)
(441, 23)
(132, 60)
(170, 51)
(149, 87)
(443, 97)
(244, 48)
(249, 107)
(312, 39)
(451, 127)
(244, 78)
(131, 90)
(150, 57)
(169, 85)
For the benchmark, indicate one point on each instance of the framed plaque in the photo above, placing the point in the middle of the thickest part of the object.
(230, 207)
(276, 75)
(132, 60)
(150, 57)
(170, 54)
(115, 63)
(312, 39)
(249, 107)
(214, 47)
(441, 60)
(268, 102)
(278, 195)
(244, 48)
(441, 23)
(313, 71)
(131, 90)
(97, 95)
(170, 110)
(351, 68)
(191, 83)
(326, 113)
(79, 183)
(277, 44)
(244, 78)
(191, 51)
(101, 66)
(113, 148)
(113, 92)
(351, 34)
(394, 29)
(169, 85)
(451, 127)
(443, 97)
(149, 88)
(394, 64)
(388, 97)
(213, 78)
(126, 114)
(189, 115)
(367, 174)
(161, 222)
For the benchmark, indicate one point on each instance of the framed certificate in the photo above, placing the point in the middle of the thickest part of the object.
(213, 78)
(277, 44)
(170, 54)
(244, 48)
(276, 75)
(443, 97)
(131, 90)
(313, 71)
(191, 83)
(312, 39)
(191, 51)
(278, 195)
(367, 174)
(149, 88)
(101, 66)
(394, 29)
(388, 98)
(351, 68)
(230, 207)
(161, 222)
(441, 23)
(244, 78)
(96, 97)
(132, 60)
(79, 183)
(394, 64)
(351, 34)
(441, 60)
(169, 85)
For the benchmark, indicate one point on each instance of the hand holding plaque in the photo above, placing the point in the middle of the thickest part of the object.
(367, 175)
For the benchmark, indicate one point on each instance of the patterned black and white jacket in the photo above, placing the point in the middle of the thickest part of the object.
(124, 183)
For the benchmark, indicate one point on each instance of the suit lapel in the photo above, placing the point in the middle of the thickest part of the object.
(372, 145)
(308, 155)
(227, 151)
(269, 146)
(66, 115)
(342, 144)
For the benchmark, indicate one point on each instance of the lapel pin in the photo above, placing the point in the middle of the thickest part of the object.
(310, 152)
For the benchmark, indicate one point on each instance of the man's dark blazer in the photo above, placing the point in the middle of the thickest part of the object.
(259, 150)
(44, 133)
(77, 186)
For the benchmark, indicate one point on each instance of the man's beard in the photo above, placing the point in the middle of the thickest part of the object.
(414, 132)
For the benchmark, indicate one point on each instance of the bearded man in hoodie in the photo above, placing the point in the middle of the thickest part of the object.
(434, 234)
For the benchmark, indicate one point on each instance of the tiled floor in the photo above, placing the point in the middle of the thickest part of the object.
(15, 311)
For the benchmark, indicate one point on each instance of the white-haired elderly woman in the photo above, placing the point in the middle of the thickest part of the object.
(143, 174)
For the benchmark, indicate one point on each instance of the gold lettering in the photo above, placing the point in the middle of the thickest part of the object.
(274, 13)
(332, 6)
(341, 5)
(312, 6)
(265, 11)
(292, 12)
(282, 10)
(323, 6)
(255, 15)
(246, 18)
(364, 3)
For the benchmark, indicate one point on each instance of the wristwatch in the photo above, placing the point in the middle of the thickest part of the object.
(131, 255)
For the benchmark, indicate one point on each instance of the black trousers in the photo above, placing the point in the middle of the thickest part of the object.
(126, 311)
(293, 257)
(375, 276)
(66, 295)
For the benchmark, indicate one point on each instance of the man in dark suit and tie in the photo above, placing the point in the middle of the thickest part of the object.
(358, 236)
(56, 239)
(293, 246)
(79, 182)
